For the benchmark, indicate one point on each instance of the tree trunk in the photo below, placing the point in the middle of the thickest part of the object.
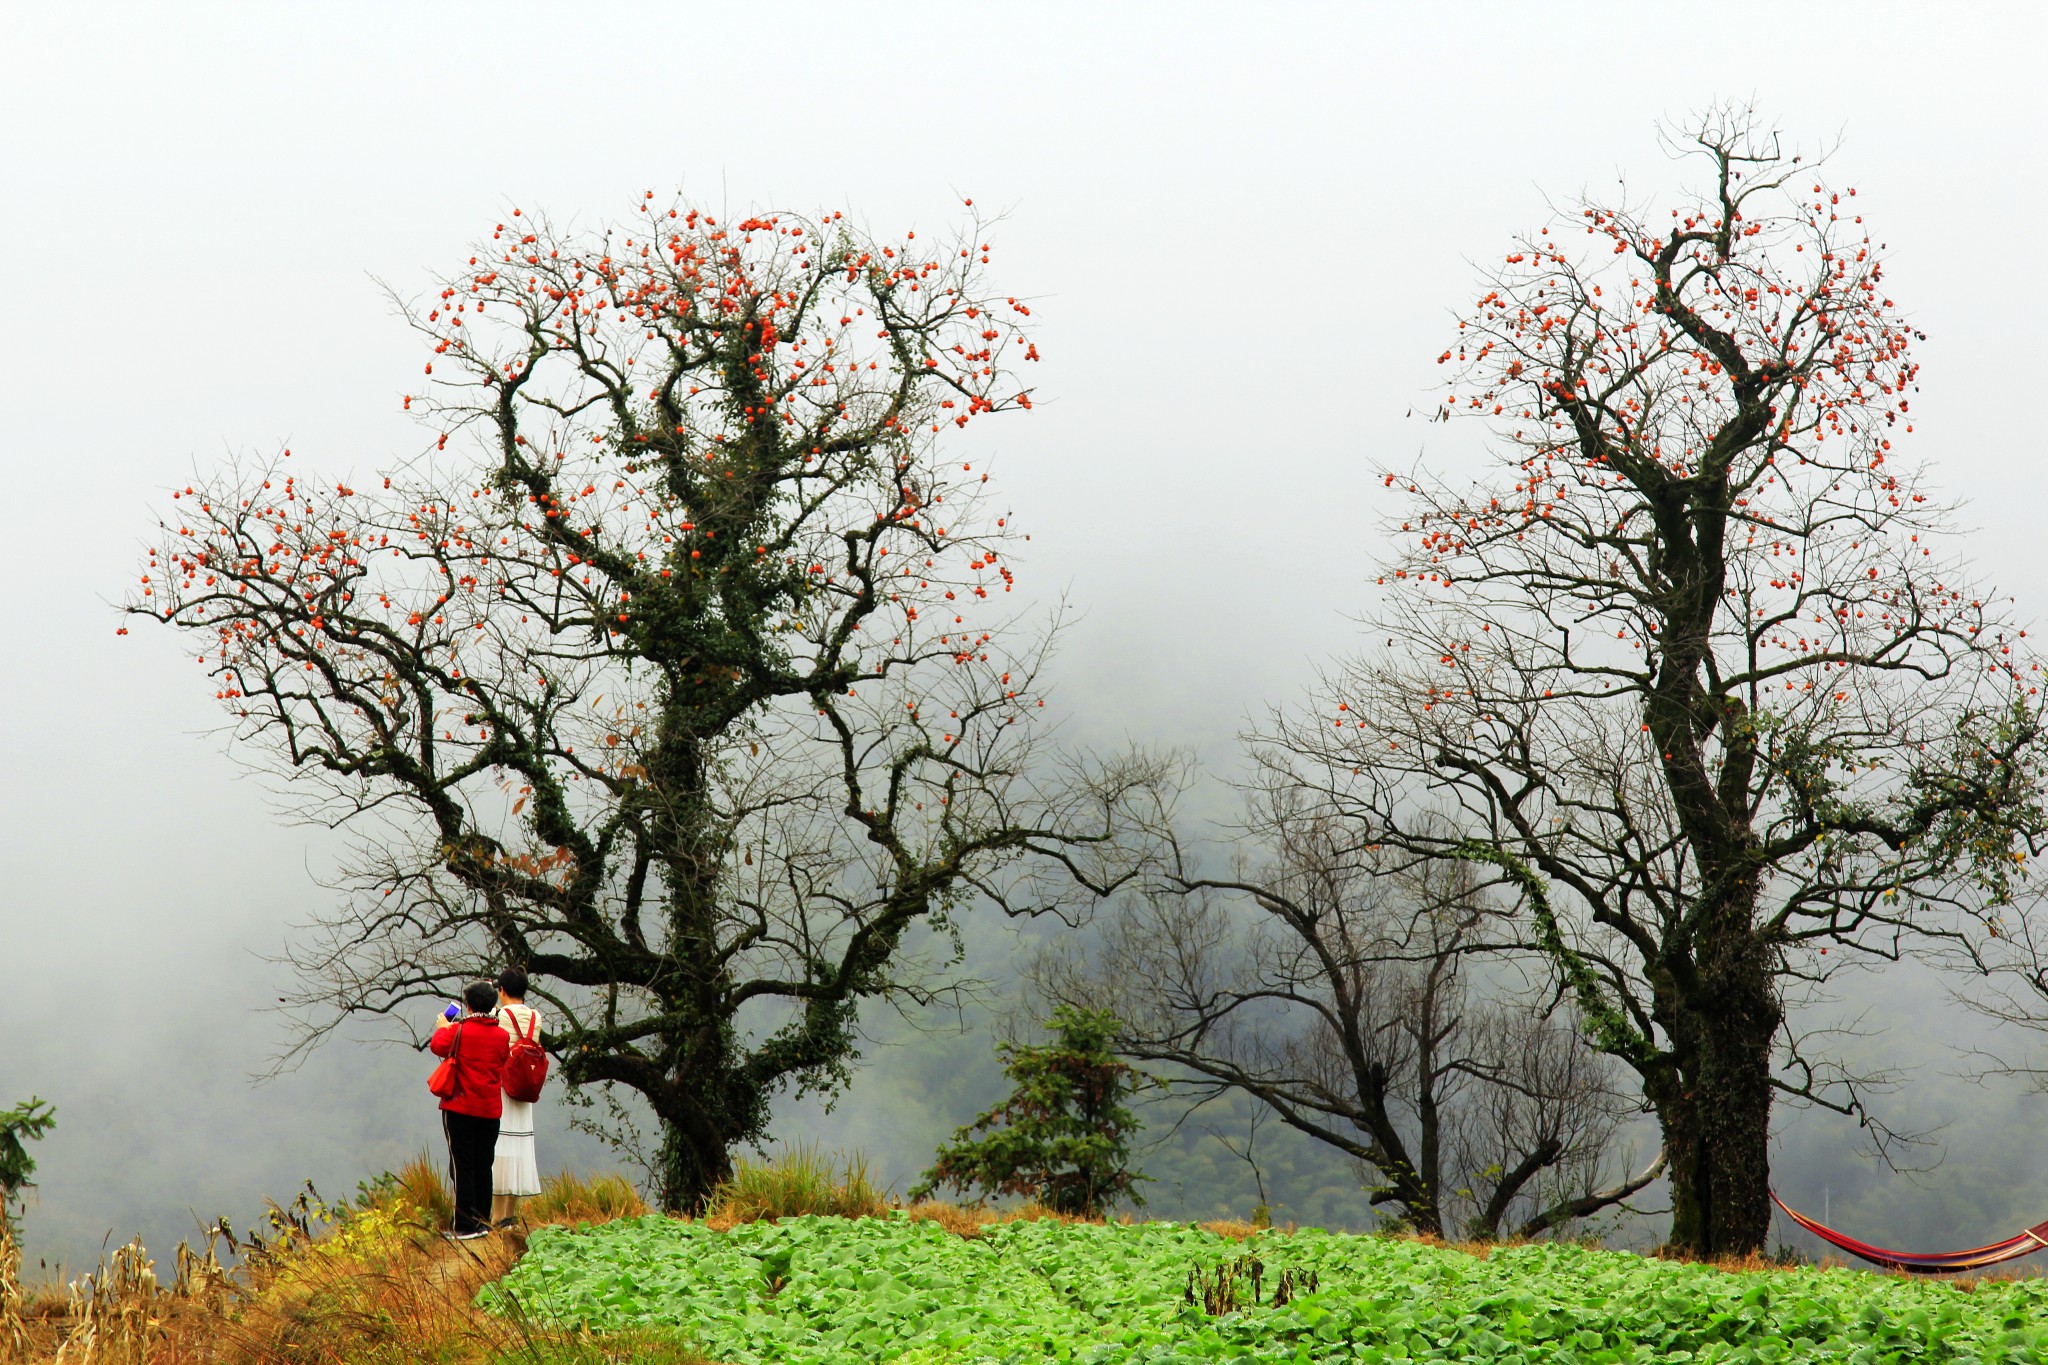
(694, 1162)
(1717, 1115)
(1689, 1177)
(1735, 1116)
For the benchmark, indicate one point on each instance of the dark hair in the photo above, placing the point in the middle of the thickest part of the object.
(479, 996)
(512, 981)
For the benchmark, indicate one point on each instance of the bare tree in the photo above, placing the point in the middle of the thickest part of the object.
(1537, 1137)
(2007, 982)
(1349, 1003)
(1696, 660)
(655, 676)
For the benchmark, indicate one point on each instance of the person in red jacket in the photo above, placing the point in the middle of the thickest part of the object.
(470, 1116)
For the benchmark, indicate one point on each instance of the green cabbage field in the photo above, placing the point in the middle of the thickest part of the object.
(846, 1290)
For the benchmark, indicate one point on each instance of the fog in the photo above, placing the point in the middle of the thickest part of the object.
(1243, 229)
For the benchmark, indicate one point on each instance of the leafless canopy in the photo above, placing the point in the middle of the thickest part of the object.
(1378, 1012)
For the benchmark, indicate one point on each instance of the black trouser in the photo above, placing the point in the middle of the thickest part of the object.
(472, 1145)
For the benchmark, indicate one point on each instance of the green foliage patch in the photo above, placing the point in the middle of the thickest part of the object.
(893, 1290)
(22, 1124)
(1063, 1137)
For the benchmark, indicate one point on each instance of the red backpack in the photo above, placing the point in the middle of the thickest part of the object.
(526, 1070)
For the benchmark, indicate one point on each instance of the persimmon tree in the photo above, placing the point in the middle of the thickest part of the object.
(1696, 670)
(678, 672)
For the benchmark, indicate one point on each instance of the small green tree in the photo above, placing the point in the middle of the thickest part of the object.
(1063, 1136)
(18, 1126)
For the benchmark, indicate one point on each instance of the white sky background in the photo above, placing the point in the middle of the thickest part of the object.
(1243, 227)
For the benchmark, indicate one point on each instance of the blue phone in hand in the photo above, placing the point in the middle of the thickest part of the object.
(452, 1013)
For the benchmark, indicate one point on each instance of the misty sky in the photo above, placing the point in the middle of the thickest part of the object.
(1243, 227)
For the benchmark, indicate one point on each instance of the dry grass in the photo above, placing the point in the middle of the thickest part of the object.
(16, 1304)
(423, 1186)
(961, 1222)
(971, 1220)
(566, 1198)
(802, 1180)
(1236, 1229)
(374, 1285)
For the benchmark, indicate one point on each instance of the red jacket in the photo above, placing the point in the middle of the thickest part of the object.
(479, 1065)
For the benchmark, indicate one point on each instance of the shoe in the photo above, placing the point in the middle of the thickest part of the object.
(472, 1236)
(506, 1223)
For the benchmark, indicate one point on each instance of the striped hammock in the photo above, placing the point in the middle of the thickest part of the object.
(1924, 1262)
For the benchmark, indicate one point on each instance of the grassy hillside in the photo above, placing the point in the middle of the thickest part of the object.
(369, 1283)
(904, 1289)
(807, 1261)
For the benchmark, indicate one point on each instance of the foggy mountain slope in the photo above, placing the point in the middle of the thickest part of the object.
(159, 1122)
(1244, 233)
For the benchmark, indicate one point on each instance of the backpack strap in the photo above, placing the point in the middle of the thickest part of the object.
(532, 1024)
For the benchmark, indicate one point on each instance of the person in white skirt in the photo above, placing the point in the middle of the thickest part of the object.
(515, 1172)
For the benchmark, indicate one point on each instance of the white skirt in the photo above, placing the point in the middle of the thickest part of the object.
(514, 1170)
